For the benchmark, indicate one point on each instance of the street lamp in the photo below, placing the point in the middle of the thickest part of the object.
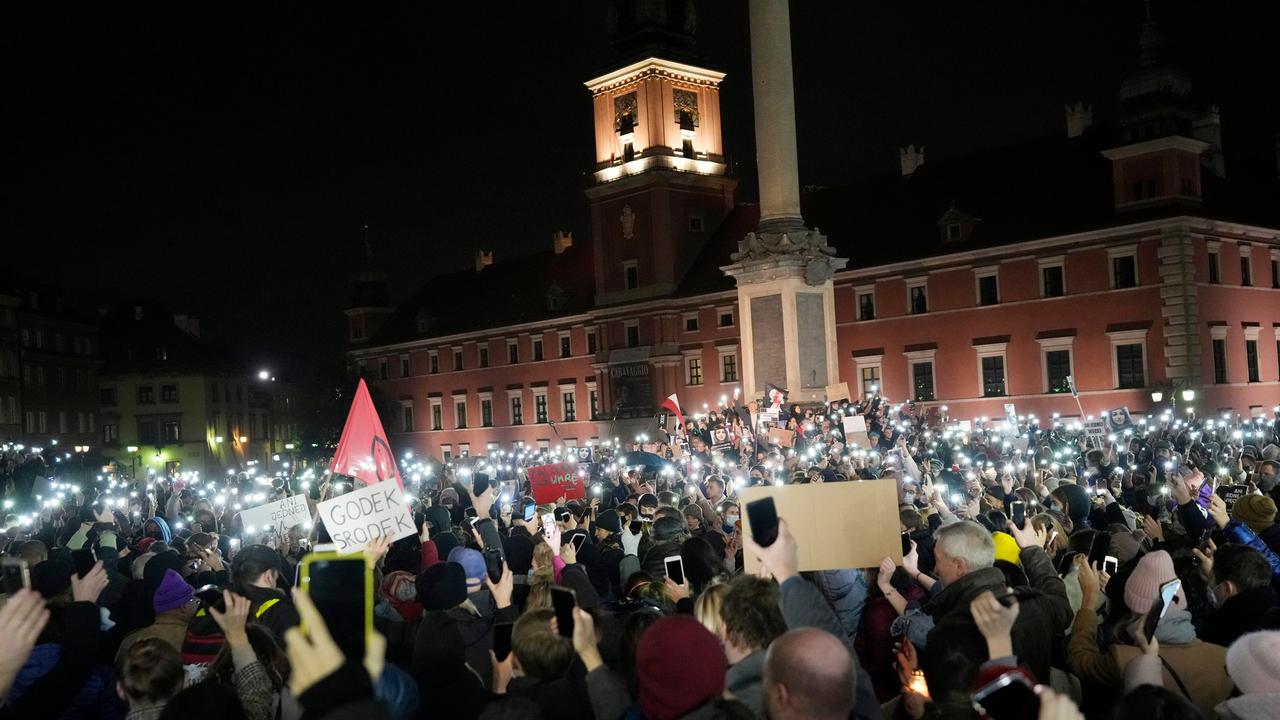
(1188, 395)
(1156, 396)
(264, 374)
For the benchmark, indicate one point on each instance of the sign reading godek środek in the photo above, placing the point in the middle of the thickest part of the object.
(357, 518)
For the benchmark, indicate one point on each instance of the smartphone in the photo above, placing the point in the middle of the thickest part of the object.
(1008, 697)
(1099, 548)
(479, 484)
(14, 575)
(578, 541)
(675, 568)
(906, 543)
(563, 601)
(341, 586)
(530, 511)
(1019, 510)
(762, 515)
(1110, 564)
(84, 560)
(636, 527)
(488, 531)
(470, 512)
(548, 524)
(502, 640)
(211, 596)
(1159, 606)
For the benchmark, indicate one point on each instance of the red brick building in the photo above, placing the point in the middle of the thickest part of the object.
(1127, 256)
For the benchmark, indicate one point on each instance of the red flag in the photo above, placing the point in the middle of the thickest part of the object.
(672, 404)
(363, 451)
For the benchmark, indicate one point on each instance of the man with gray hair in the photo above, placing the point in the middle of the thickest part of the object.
(965, 567)
(808, 673)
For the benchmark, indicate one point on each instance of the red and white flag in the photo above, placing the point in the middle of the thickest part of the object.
(363, 451)
(672, 404)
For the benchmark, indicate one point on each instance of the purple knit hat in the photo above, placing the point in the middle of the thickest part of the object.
(173, 593)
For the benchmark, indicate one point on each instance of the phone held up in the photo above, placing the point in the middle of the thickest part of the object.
(15, 574)
(1008, 697)
(563, 601)
(341, 587)
(762, 515)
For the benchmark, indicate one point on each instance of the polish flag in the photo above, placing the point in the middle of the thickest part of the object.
(363, 451)
(672, 404)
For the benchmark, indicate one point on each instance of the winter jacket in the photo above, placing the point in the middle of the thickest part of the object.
(1256, 609)
(560, 698)
(745, 682)
(846, 590)
(874, 642)
(1040, 620)
(56, 690)
(96, 698)
(279, 615)
(1250, 707)
(170, 626)
(1240, 533)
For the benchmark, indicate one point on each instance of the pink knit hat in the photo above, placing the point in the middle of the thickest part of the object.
(1253, 662)
(1153, 570)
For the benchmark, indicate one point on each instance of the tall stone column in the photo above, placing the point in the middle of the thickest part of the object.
(783, 270)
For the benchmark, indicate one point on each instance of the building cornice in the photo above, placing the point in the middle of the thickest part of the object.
(650, 67)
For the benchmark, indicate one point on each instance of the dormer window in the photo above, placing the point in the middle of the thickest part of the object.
(953, 231)
(955, 226)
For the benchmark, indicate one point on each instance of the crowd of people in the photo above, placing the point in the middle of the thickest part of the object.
(1048, 572)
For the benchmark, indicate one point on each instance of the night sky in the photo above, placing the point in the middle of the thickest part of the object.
(222, 159)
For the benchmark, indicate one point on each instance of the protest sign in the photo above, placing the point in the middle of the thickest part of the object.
(357, 518)
(549, 482)
(782, 437)
(836, 525)
(1095, 429)
(837, 392)
(585, 454)
(1118, 420)
(1011, 416)
(854, 424)
(278, 515)
(1231, 494)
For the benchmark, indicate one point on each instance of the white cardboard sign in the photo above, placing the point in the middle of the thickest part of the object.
(278, 515)
(355, 519)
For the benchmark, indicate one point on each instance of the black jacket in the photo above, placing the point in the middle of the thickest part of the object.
(1040, 621)
(1256, 609)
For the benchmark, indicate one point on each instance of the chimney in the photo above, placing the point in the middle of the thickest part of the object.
(1079, 117)
(561, 241)
(484, 258)
(912, 158)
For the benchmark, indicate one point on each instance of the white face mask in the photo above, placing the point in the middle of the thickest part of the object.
(908, 498)
(730, 519)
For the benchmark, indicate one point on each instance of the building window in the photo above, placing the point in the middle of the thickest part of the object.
(729, 367)
(460, 413)
(517, 410)
(566, 346)
(537, 349)
(540, 407)
(988, 290)
(1052, 281)
(724, 319)
(486, 412)
(406, 417)
(404, 366)
(433, 362)
(696, 222)
(110, 434)
(691, 323)
(569, 402)
(1251, 359)
(513, 352)
(918, 299)
(446, 452)
(693, 371)
(1124, 271)
(147, 432)
(633, 333)
(630, 275)
(1246, 268)
(993, 384)
(1057, 367)
(30, 422)
(922, 380)
(1275, 273)
(869, 376)
(383, 373)
(1215, 269)
(457, 359)
(108, 396)
(437, 416)
(146, 395)
(953, 231)
(1220, 360)
(482, 356)
(592, 348)
(169, 393)
(867, 306)
(62, 422)
(1130, 372)
(594, 398)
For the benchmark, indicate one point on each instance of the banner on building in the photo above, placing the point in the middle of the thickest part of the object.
(549, 482)
(361, 516)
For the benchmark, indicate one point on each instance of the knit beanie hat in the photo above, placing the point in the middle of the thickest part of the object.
(610, 522)
(472, 563)
(173, 593)
(1256, 511)
(1007, 548)
(1077, 501)
(1253, 662)
(442, 586)
(1152, 571)
(693, 511)
(439, 518)
(51, 577)
(679, 667)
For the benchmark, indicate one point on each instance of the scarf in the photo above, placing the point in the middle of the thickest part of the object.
(1175, 628)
